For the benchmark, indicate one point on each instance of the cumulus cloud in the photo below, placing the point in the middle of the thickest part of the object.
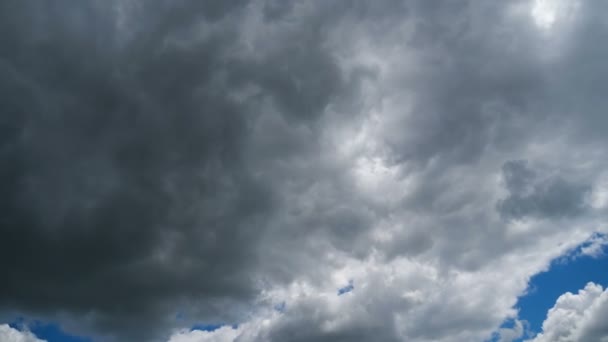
(9, 334)
(170, 163)
(577, 317)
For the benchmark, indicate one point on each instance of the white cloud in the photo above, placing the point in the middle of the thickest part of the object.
(8, 334)
(398, 300)
(577, 317)
(595, 248)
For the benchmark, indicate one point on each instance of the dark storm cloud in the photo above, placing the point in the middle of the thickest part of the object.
(125, 192)
(165, 163)
(550, 197)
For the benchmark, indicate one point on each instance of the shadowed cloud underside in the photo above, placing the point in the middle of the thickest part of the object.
(264, 170)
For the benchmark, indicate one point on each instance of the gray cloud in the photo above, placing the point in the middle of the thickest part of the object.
(126, 194)
(175, 162)
(552, 197)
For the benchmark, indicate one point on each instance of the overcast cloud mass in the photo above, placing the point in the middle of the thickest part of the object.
(165, 163)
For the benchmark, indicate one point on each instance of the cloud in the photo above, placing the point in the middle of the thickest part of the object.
(577, 317)
(552, 197)
(513, 333)
(223, 334)
(8, 334)
(595, 247)
(178, 162)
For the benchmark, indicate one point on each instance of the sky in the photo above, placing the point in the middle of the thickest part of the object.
(290, 171)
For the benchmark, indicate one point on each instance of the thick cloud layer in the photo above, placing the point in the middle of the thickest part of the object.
(551, 197)
(177, 162)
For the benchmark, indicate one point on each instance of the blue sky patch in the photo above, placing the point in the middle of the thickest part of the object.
(47, 331)
(281, 307)
(569, 273)
(206, 327)
(346, 289)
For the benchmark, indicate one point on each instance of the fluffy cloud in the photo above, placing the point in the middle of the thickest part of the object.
(577, 317)
(179, 162)
(8, 334)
